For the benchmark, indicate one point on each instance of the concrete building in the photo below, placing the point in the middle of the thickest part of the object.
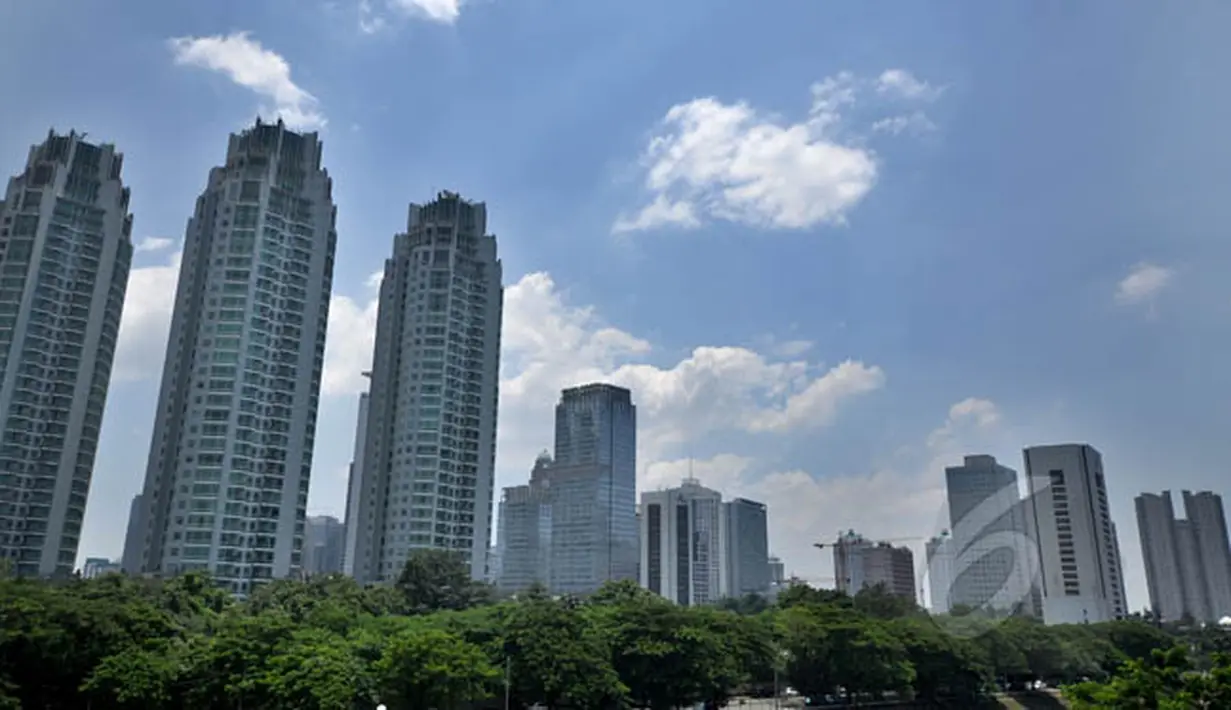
(96, 567)
(939, 552)
(324, 545)
(428, 480)
(682, 544)
(1186, 559)
(1080, 576)
(134, 536)
(860, 563)
(989, 552)
(747, 547)
(523, 539)
(226, 486)
(65, 251)
(355, 523)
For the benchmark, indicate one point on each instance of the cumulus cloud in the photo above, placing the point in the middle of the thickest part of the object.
(154, 244)
(244, 61)
(731, 161)
(1144, 282)
(902, 84)
(142, 343)
(446, 11)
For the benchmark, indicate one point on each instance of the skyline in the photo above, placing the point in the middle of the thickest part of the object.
(1043, 212)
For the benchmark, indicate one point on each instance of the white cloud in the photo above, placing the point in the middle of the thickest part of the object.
(445, 11)
(146, 321)
(153, 244)
(710, 159)
(915, 123)
(1143, 284)
(244, 61)
(900, 83)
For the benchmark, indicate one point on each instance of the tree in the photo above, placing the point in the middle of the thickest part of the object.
(558, 659)
(431, 669)
(435, 580)
(945, 665)
(317, 670)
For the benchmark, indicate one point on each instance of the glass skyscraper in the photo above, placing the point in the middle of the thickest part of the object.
(428, 466)
(226, 486)
(65, 252)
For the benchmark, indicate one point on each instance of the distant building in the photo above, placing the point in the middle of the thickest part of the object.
(358, 526)
(324, 545)
(1070, 522)
(573, 527)
(777, 571)
(683, 544)
(939, 573)
(989, 550)
(95, 567)
(134, 537)
(1186, 560)
(746, 539)
(860, 563)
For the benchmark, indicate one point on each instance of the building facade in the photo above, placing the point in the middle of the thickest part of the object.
(682, 551)
(355, 523)
(860, 563)
(134, 536)
(226, 485)
(428, 476)
(1080, 577)
(939, 552)
(990, 559)
(1186, 559)
(524, 536)
(65, 252)
(324, 545)
(747, 547)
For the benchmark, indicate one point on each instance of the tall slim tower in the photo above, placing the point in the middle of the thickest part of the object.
(429, 456)
(1187, 562)
(1081, 580)
(1160, 549)
(593, 479)
(65, 251)
(1205, 513)
(226, 487)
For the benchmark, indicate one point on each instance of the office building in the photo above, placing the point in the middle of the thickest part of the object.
(324, 545)
(860, 563)
(939, 573)
(96, 567)
(523, 539)
(65, 252)
(594, 480)
(747, 547)
(134, 537)
(355, 523)
(1069, 519)
(1186, 559)
(428, 463)
(226, 486)
(682, 544)
(989, 552)
(586, 495)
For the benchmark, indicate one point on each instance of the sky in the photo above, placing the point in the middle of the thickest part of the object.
(832, 246)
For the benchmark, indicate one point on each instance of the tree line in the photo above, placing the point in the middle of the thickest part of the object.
(435, 639)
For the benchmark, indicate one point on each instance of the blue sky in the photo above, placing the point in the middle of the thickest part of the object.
(878, 238)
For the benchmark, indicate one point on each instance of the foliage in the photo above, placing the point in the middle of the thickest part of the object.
(436, 639)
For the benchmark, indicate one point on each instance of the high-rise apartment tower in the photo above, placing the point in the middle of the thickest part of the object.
(65, 252)
(429, 455)
(226, 487)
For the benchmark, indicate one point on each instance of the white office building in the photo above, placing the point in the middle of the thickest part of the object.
(1070, 521)
(428, 463)
(226, 487)
(1187, 562)
(682, 550)
(65, 252)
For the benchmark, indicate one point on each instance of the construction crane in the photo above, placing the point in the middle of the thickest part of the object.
(916, 538)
